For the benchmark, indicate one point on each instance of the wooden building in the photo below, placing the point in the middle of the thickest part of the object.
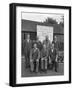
(30, 27)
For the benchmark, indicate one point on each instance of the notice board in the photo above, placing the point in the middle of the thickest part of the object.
(43, 31)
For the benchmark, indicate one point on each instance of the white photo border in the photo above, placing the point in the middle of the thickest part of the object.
(26, 80)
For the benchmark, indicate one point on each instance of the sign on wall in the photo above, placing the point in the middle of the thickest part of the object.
(43, 31)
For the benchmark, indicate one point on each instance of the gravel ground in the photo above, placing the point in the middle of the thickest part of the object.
(26, 72)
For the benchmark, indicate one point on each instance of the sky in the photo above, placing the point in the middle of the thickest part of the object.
(41, 17)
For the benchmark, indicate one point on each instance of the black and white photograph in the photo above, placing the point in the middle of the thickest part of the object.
(40, 40)
(42, 44)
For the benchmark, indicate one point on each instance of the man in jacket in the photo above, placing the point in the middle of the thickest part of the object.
(34, 58)
(53, 56)
(55, 43)
(44, 57)
(27, 49)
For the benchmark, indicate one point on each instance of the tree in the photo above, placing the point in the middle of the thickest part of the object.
(50, 21)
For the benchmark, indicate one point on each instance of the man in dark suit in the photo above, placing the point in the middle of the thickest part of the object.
(55, 43)
(27, 49)
(34, 58)
(53, 56)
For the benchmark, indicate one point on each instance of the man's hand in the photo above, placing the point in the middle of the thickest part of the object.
(37, 60)
(49, 60)
(56, 58)
(42, 58)
(31, 60)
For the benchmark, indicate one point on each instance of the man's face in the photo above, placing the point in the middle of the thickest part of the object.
(47, 38)
(28, 36)
(44, 46)
(55, 38)
(52, 46)
(35, 45)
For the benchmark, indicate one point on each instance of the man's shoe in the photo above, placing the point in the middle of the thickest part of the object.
(55, 70)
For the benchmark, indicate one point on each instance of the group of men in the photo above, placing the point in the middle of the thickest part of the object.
(44, 52)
